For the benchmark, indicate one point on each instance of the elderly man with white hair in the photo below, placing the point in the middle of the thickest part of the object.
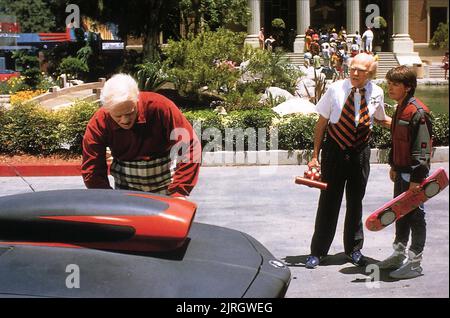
(347, 112)
(153, 145)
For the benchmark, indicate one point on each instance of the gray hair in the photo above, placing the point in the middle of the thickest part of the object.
(119, 89)
(368, 60)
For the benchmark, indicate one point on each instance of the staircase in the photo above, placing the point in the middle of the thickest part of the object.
(386, 61)
(435, 71)
(295, 58)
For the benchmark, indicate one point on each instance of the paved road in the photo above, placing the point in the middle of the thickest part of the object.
(265, 203)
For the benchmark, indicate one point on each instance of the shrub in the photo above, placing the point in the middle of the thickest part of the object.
(195, 62)
(28, 65)
(297, 132)
(381, 137)
(73, 67)
(150, 76)
(75, 119)
(28, 128)
(440, 129)
(246, 100)
(271, 69)
(202, 120)
(440, 37)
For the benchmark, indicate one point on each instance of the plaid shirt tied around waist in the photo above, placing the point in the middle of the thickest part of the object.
(153, 176)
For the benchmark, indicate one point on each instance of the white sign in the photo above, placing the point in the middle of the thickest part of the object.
(113, 45)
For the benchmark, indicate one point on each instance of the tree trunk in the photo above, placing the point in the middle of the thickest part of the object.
(150, 46)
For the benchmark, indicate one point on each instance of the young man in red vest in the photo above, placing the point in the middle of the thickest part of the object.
(347, 112)
(410, 164)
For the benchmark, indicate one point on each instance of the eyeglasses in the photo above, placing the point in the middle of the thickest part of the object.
(354, 69)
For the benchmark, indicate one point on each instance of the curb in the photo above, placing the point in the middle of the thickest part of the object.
(211, 159)
(35, 170)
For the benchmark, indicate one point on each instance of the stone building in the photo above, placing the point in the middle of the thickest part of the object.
(410, 23)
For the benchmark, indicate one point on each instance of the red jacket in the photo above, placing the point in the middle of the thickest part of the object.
(149, 138)
(411, 140)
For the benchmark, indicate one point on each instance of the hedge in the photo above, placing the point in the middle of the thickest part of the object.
(27, 128)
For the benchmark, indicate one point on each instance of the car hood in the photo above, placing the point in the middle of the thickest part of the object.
(214, 262)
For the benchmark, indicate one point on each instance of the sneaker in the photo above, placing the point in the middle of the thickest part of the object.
(357, 258)
(312, 262)
(396, 260)
(410, 269)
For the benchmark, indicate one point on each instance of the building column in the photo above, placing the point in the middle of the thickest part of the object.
(401, 43)
(303, 21)
(353, 16)
(254, 25)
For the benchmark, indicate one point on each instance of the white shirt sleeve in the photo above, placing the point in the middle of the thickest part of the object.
(379, 113)
(325, 103)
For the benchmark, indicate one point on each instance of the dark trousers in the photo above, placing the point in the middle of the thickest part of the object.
(347, 170)
(413, 222)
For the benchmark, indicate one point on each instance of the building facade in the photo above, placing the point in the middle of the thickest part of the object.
(410, 23)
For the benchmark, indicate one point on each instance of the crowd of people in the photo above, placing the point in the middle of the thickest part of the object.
(332, 50)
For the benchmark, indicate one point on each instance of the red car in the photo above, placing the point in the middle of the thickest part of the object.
(7, 74)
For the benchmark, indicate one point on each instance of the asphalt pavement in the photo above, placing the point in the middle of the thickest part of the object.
(264, 202)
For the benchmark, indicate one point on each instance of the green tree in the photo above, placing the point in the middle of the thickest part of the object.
(440, 37)
(198, 15)
(33, 15)
(28, 65)
(201, 61)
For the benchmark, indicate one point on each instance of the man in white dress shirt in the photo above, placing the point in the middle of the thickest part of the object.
(347, 112)
(368, 39)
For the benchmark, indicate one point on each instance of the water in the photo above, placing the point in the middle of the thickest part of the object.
(435, 97)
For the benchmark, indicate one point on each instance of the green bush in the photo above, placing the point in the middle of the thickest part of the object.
(28, 65)
(28, 128)
(75, 119)
(246, 100)
(202, 120)
(200, 61)
(440, 37)
(381, 137)
(73, 67)
(271, 69)
(440, 129)
(150, 75)
(297, 132)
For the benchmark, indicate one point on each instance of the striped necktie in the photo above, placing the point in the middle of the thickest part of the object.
(344, 131)
(347, 133)
(363, 130)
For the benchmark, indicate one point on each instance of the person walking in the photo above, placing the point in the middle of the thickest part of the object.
(368, 39)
